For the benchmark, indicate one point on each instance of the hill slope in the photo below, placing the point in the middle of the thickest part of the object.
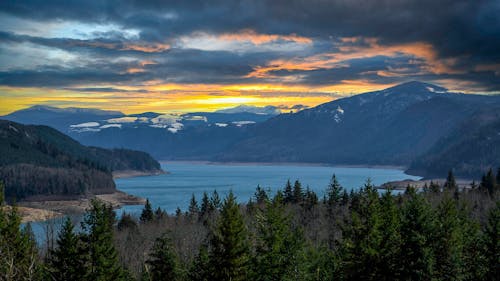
(39, 160)
(392, 126)
(471, 149)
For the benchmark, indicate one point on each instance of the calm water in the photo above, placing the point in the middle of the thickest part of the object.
(173, 190)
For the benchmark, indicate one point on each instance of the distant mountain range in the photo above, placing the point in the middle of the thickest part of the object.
(40, 161)
(198, 135)
(418, 125)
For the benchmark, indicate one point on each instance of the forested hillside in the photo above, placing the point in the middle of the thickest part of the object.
(39, 160)
(471, 149)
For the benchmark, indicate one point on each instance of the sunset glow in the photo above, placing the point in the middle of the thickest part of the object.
(182, 58)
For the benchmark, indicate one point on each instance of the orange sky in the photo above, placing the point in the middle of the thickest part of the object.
(182, 97)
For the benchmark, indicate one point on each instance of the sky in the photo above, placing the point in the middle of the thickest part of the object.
(185, 56)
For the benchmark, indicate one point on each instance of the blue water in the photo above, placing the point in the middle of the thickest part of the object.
(174, 189)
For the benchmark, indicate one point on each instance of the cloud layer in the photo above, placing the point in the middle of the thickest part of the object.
(136, 51)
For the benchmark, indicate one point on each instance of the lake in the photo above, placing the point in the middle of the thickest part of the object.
(174, 189)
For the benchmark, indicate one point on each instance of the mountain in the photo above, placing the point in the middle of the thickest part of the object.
(59, 118)
(39, 160)
(389, 127)
(197, 135)
(401, 125)
(471, 149)
(266, 110)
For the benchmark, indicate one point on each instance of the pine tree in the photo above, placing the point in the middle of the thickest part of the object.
(333, 192)
(498, 177)
(18, 251)
(492, 243)
(362, 237)
(193, 207)
(416, 260)
(205, 207)
(278, 245)
(391, 240)
(215, 201)
(434, 187)
(103, 258)
(288, 193)
(450, 183)
(126, 222)
(147, 214)
(488, 183)
(298, 194)
(163, 262)
(200, 269)
(230, 253)
(448, 242)
(68, 260)
(260, 195)
(160, 214)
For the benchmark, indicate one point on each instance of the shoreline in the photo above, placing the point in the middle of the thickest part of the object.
(123, 174)
(304, 164)
(33, 211)
(419, 184)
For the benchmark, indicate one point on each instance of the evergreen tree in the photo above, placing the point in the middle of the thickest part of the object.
(310, 199)
(498, 176)
(362, 237)
(450, 184)
(473, 250)
(193, 206)
(298, 194)
(215, 200)
(278, 245)
(163, 262)
(391, 240)
(160, 214)
(126, 222)
(103, 258)
(230, 253)
(288, 193)
(416, 260)
(448, 239)
(488, 183)
(200, 269)
(434, 187)
(492, 243)
(68, 260)
(147, 214)
(18, 252)
(2, 193)
(205, 207)
(334, 192)
(260, 195)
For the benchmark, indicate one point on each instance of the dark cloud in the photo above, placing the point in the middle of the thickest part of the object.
(467, 32)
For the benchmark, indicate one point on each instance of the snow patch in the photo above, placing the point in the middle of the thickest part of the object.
(122, 120)
(13, 128)
(111, 126)
(174, 128)
(242, 123)
(85, 125)
(434, 90)
(165, 119)
(196, 118)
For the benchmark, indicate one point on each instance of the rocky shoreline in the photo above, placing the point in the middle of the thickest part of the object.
(41, 210)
